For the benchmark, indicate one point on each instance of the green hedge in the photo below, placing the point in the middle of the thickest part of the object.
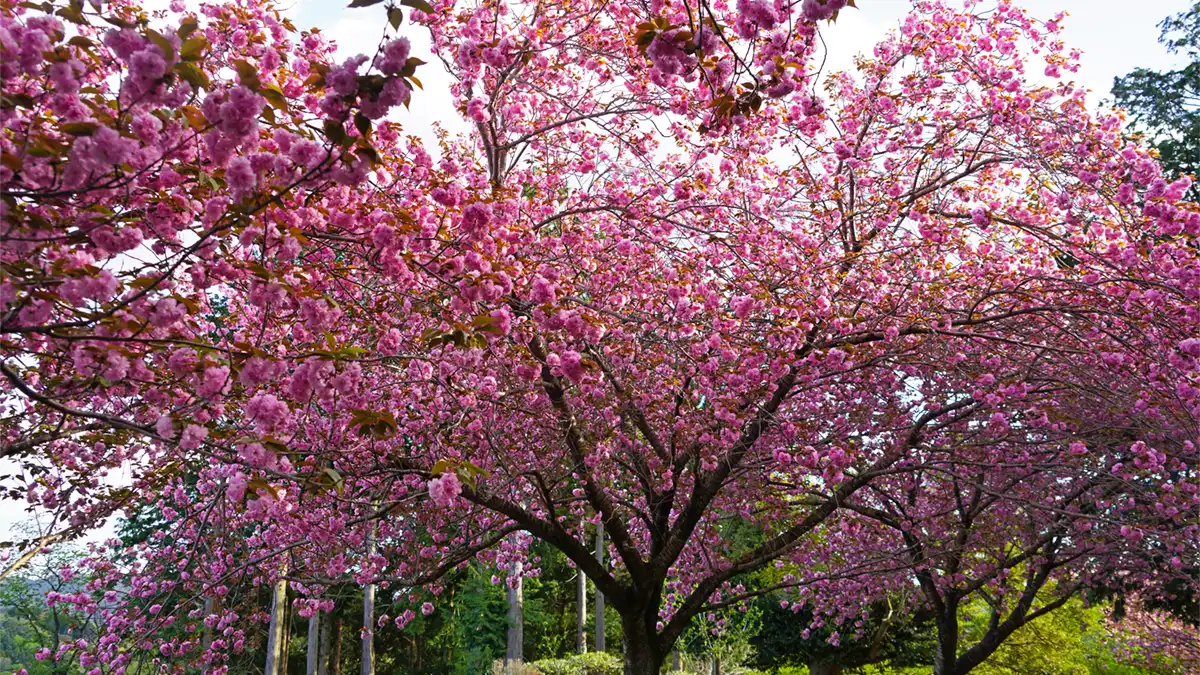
(592, 663)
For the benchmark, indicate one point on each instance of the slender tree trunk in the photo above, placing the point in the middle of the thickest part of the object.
(206, 636)
(716, 666)
(824, 668)
(368, 622)
(334, 652)
(599, 596)
(581, 605)
(275, 639)
(285, 644)
(676, 661)
(312, 664)
(516, 619)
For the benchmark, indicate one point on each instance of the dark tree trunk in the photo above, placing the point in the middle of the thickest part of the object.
(642, 653)
(335, 648)
(947, 641)
(599, 627)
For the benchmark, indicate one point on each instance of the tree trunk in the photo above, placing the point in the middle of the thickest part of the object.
(716, 666)
(676, 661)
(580, 612)
(824, 668)
(334, 652)
(285, 643)
(275, 641)
(642, 656)
(368, 624)
(206, 636)
(599, 596)
(312, 665)
(946, 655)
(516, 619)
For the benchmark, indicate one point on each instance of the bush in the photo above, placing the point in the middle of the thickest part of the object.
(592, 663)
(498, 668)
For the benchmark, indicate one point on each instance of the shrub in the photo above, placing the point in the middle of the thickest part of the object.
(592, 663)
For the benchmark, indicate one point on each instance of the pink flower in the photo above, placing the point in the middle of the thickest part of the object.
(475, 218)
(215, 382)
(267, 412)
(742, 306)
(571, 363)
(389, 342)
(165, 427)
(427, 608)
(543, 291)
(477, 110)
(405, 619)
(240, 175)
(193, 437)
(503, 320)
(236, 487)
(445, 489)
(306, 154)
(820, 10)
(395, 56)
(257, 370)
(383, 235)
(1191, 347)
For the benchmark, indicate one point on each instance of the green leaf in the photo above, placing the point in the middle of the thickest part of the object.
(339, 483)
(247, 74)
(73, 15)
(363, 124)
(395, 17)
(193, 48)
(80, 128)
(336, 133)
(368, 155)
(364, 3)
(420, 5)
(187, 27)
(442, 466)
(192, 75)
(275, 97)
(162, 43)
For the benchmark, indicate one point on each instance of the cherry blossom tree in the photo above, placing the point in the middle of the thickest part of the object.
(664, 284)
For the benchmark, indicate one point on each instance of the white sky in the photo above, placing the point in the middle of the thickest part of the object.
(1115, 36)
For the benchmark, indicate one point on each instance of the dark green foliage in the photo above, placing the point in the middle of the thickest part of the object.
(1166, 105)
(781, 643)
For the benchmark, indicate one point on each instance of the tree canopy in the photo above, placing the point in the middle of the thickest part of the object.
(931, 322)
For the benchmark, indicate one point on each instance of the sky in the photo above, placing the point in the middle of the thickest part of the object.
(1114, 35)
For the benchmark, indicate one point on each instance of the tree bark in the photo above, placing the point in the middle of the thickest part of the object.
(947, 640)
(368, 622)
(642, 656)
(516, 619)
(599, 596)
(334, 652)
(581, 607)
(312, 665)
(285, 643)
(206, 636)
(275, 640)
